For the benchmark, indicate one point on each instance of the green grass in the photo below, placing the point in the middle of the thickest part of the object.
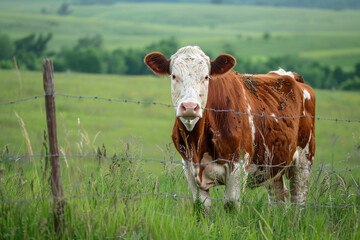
(328, 36)
(159, 217)
(128, 129)
(144, 131)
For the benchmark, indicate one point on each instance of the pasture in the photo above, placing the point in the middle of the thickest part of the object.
(118, 196)
(97, 204)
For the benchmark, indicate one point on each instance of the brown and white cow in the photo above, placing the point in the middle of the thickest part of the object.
(239, 145)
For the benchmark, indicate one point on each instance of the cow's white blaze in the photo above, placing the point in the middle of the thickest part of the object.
(274, 116)
(283, 73)
(251, 122)
(190, 67)
(306, 96)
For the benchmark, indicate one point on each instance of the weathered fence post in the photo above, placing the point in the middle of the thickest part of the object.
(56, 184)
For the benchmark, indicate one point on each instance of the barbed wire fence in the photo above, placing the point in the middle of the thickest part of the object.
(58, 196)
(170, 106)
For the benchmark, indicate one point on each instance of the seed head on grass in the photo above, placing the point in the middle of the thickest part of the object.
(26, 135)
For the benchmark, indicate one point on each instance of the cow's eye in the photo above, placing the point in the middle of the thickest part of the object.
(173, 77)
(206, 78)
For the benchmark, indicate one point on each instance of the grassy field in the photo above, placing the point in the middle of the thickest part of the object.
(96, 207)
(328, 36)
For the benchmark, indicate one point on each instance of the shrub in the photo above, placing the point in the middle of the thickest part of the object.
(7, 47)
(84, 60)
(351, 84)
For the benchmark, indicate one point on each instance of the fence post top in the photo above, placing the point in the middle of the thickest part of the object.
(48, 76)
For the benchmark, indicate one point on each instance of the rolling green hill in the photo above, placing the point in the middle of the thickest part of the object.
(330, 37)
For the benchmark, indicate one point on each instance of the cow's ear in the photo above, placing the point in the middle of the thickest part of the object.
(222, 64)
(158, 63)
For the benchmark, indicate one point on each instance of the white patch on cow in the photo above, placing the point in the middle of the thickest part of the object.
(245, 163)
(212, 174)
(190, 66)
(273, 115)
(251, 122)
(189, 123)
(235, 181)
(306, 96)
(300, 174)
(215, 174)
(282, 72)
(196, 191)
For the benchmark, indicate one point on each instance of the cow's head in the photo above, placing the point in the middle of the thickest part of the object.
(190, 71)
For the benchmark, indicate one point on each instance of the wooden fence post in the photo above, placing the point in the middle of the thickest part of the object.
(56, 184)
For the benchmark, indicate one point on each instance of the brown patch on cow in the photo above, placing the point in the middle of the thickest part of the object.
(298, 78)
(157, 63)
(222, 64)
(251, 84)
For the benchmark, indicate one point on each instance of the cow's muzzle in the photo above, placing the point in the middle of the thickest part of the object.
(189, 110)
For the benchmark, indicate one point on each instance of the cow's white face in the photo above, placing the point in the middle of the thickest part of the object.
(190, 73)
(190, 70)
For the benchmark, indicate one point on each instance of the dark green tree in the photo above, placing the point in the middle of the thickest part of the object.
(167, 46)
(266, 36)
(351, 84)
(34, 44)
(357, 69)
(338, 75)
(64, 10)
(86, 42)
(7, 47)
(84, 60)
(116, 62)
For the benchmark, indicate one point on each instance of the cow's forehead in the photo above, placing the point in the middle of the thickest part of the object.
(188, 56)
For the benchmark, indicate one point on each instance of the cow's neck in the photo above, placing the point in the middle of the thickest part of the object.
(193, 144)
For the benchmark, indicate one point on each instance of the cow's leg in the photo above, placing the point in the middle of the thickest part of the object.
(277, 191)
(299, 175)
(235, 182)
(198, 193)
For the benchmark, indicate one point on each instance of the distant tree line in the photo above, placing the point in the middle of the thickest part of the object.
(329, 4)
(89, 56)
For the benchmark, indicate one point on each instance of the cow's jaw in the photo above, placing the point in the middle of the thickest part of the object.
(190, 69)
(189, 123)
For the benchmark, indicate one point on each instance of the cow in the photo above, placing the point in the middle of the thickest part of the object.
(239, 130)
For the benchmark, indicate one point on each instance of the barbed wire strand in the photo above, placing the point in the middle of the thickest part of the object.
(170, 105)
(22, 100)
(168, 195)
(18, 158)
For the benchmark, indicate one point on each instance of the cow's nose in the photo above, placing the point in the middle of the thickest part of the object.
(189, 109)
